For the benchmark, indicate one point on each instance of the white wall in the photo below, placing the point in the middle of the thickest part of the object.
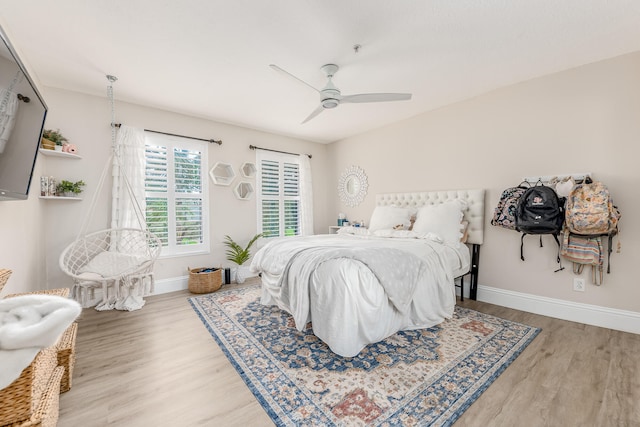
(585, 119)
(581, 120)
(84, 120)
(22, 241)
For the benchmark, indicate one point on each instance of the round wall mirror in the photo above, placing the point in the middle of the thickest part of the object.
(352, 186)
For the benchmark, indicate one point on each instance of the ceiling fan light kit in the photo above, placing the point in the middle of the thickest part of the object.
(331, 97)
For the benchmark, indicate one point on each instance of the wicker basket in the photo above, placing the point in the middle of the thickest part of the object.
(204, 282)
(60, 292)
(48, 411)
(20, 399)
(4, 276)
(47, 144)
(66, 348)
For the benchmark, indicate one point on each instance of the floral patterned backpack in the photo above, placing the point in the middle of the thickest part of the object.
(590, 210)
(504, 214)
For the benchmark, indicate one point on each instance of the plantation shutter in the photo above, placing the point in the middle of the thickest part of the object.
(175, 182)
(291, 199)
(278, 195)
(188, 206)
(156, 190)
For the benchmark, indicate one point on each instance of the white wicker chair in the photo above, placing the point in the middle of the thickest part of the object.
(120, 261)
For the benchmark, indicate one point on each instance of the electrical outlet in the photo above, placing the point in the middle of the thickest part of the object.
(578, 284)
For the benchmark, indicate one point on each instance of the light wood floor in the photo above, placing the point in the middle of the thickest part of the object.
(160, 367)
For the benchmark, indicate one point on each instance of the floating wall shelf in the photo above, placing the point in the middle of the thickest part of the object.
(222, 174)
(53, 153)
(244, 190)
(248, 170)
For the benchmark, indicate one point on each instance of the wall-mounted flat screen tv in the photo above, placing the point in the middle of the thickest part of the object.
(22, 116)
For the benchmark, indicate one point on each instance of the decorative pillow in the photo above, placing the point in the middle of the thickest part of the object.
(109, 264)
(356, 231)
(388, 217)
(407, 234)
(444, 219)
(465, 231)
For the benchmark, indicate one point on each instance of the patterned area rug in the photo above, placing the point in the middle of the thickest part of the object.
(427, 377)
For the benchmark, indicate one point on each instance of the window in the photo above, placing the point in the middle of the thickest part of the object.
(278, 194)
(176, 193)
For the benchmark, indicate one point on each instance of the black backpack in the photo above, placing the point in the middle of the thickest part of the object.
(540, 211)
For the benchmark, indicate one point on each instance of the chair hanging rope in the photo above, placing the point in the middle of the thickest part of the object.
(118, 260)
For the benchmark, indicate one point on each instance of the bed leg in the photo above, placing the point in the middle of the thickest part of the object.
(475, 262)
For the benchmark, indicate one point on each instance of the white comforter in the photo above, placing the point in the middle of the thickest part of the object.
(359, 290)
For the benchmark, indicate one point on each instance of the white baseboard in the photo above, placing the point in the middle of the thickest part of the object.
(171, 284)
(621, 320)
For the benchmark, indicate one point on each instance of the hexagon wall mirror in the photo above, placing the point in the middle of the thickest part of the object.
(248, 170)
(244, 190)
(222, 174)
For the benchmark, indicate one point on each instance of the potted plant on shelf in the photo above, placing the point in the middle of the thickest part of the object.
(53, 139)
(239, 255)
(69, 189)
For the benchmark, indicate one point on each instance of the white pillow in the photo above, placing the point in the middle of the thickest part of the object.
(443, 219)
(109, 264)
(387, 217)
(356, 231)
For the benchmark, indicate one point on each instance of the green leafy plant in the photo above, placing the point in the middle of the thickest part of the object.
(70, 187)
(237, 253)
(54, 136)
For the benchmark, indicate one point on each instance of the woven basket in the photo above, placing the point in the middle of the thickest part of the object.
(20, 399)
(202, 283)
(61, 292)
(66, 348)
(4, 276)
(48, 411)
(47, 144)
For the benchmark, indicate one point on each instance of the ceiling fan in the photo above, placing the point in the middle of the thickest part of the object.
(330, 96)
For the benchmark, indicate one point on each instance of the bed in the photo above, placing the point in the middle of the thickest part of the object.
(362, 285)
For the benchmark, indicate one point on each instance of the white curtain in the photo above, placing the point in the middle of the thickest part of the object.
(129, 204)
(306, 196)
(8, 111)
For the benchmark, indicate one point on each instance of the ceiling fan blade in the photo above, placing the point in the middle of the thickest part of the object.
(375, 97)
(286, 73)
(315, 112)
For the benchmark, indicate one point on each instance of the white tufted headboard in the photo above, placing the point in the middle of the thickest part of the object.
(474, 213)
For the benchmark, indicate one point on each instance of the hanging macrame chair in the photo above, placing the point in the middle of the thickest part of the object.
(118, 260)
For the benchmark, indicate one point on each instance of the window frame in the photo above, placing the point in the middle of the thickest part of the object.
(172, 249)
(282, 198)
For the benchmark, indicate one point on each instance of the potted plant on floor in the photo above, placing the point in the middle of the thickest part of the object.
(239, 255)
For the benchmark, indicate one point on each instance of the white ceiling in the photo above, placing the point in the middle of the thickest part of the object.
(210, 58)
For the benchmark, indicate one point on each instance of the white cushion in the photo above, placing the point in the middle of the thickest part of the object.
(388, 217)
(444, 219)
(357, 231)
(109, 264)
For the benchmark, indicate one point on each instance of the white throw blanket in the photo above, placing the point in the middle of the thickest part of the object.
(354, 302)
(397, 271)
(29, 323)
